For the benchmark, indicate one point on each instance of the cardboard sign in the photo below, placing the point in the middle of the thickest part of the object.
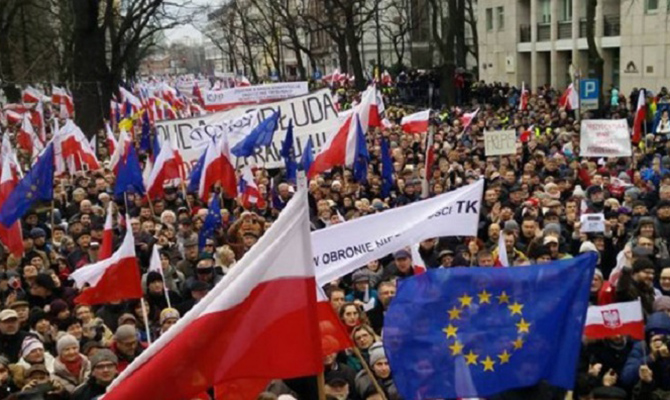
(604, 138)
(592, 223)
(313, 115)
(499, 143)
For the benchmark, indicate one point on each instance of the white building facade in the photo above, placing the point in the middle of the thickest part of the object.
(542, 41)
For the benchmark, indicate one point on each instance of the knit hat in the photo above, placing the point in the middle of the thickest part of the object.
(599, 274)
(168, 313)
(642, 264)
(57, 306)
(65, 341)
(153, 276)
(36, 315)
(633, 193)
(45, 281)
(662, 304)
(29, 344)
(511, 225)
(103, 355)
(376, 353)
(125, 332)
(587, 246)
(552, 228)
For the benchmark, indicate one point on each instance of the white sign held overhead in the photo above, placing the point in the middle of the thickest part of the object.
(343, 248)
(592, 223)
(604, 138)
(499, 143)
(313, 115)
(218, 100)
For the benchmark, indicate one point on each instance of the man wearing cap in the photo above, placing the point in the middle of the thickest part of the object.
(11, 337)
(199, 290)
(337, 385)
(638, 283)
(204, 272)
(168, 317)
(187, 265)
(126, 345)
(22, 309)
(402, 266)
(362, 291)
(103, 371)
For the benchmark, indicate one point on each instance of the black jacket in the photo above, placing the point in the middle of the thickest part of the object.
(89, 390)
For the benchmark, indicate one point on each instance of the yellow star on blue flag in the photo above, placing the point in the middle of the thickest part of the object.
(477, 332)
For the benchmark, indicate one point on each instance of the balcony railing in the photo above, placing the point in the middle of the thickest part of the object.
(565, 29)
(543, 32)
(612, 26)
(582, 28)
(524, 33)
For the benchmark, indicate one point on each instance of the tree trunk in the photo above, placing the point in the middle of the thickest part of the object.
(458, 22)
(596, 62)
(92, 87)
(472, 22)
(12, 93)
(342, 56)
(355, 53)
(302, 71)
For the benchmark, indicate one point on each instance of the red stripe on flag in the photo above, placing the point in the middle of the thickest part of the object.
(268, 335)
(120, 281)
(633, 329)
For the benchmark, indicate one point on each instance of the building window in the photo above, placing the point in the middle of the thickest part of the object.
(545, 10)
(500, 11)
(489, 19)
(651, 5)
(566, 10)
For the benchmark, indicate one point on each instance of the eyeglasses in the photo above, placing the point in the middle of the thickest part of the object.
(105, 366)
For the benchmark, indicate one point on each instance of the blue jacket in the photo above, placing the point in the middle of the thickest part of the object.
(658, 321)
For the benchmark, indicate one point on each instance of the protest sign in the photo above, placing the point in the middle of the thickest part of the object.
(343, 248)
(313, 115)
(592, 223)
(499, 143)
(605, 138)
(224, 99)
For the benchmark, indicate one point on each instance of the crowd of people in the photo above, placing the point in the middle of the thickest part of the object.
(54, 348)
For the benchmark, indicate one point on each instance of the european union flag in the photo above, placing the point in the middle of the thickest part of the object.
(37, 184)
(196, 174)
(387, 169)
(362, 155)
(129, 177)
(259, 136)
(145, 138)
(473, 332)
(212, 221)
(307, 157)
(288, 154)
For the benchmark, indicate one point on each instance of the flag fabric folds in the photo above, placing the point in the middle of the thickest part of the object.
(494, 329)
(113, 279)
(288, 154)
(640, 117)
(258, 323)
(307, 156)
(36, 185)
(107, 234)
(415, 123)
(212, 221)
(387, 168)
(11, 236)
(260, 136)
(129, 177)
(615, 319)
(360, 169)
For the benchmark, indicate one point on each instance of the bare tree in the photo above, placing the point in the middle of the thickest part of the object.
(396, 26)
(8, 11)
(471, 21)
(107, 34)
(596, 61)
(443, 34)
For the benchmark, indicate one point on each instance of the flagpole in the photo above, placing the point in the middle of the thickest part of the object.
(358, 354)
(321, 384)
(146, 319)
(151, 205)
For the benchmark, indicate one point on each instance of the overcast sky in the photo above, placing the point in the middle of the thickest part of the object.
(188, 31)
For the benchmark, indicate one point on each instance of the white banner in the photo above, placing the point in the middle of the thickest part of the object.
(343, 248)
(499, 143)
(604, 138)
(227, 98)
(314, 115)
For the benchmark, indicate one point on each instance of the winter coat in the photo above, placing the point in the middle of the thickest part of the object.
(630, 374)
(89, 390)
(65, 377)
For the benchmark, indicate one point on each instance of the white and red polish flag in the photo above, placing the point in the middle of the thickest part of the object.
(31, 95)
(569, 99)
(121, 150)
(10, 236)
(27, 138)
(615, 319)
(167, 167)
(523, 100)
(640, 117)
(110, 140)
(114, 279)
(466, 118)
(415, 123)
(107, 235)
(218, 168)
(258, 323)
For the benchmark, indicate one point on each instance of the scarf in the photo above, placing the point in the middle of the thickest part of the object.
(74, 367)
